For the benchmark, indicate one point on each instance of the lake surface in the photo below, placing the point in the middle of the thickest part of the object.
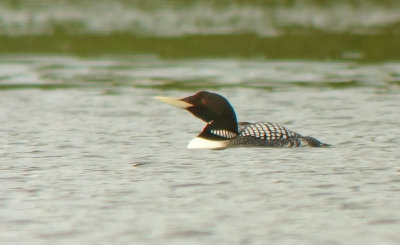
(89, 157)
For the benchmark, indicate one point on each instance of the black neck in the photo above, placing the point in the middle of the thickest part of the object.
(217, 112)
(213, 131)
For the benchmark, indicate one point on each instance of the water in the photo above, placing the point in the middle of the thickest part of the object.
(87, 156)
(90, 161)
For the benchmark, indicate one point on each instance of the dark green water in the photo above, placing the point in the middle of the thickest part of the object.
(313, 45)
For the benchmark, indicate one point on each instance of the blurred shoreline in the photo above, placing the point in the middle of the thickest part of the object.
(180, 18)
(363, 31)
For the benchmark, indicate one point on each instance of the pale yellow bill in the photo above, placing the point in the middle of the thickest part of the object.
(173, 101)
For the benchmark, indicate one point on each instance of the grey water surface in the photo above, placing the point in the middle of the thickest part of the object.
(89, 157)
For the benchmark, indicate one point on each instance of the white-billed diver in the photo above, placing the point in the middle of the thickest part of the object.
(223, 130)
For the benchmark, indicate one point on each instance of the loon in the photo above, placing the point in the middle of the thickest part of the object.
(223, 130)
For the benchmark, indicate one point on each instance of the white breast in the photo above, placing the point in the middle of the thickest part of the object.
(201, 143)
